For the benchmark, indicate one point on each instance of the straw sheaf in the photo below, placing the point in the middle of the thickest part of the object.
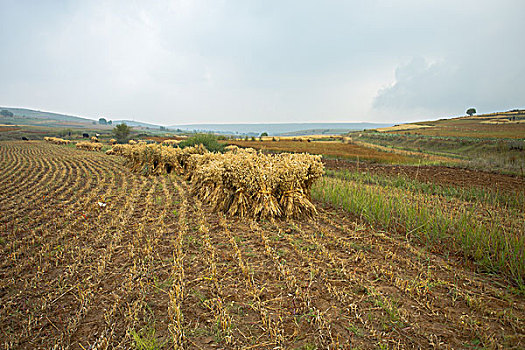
(57, 140)
(171, 142)
(89, 146)
(240, 182)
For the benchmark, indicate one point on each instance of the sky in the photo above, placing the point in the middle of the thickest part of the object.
(183, 62)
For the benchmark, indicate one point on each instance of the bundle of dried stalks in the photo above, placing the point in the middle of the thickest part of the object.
(245, 183)
(89, 146)
(57, 140)
(170, 160)
(171, 142)
(241, 182)
(296, 174)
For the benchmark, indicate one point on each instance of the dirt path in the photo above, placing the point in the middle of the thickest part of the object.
(156, 263)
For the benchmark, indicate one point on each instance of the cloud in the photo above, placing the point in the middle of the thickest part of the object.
(420, 85)
(448, 86)
(174, 61)
(476, 64)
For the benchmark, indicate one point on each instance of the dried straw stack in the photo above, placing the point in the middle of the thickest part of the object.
(154, 159)
(171, 142)
(246, 183)
(89, 146)
(57, 140)
(240, 182)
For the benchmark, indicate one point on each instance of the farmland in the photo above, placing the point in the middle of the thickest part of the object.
(335, 149)
(96, 256)
(509, 124)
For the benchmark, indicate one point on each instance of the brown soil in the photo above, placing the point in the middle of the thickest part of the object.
(78, 275)
(438, 174)
(8, 128)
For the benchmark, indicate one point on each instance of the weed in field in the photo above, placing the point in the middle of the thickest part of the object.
(145, 339)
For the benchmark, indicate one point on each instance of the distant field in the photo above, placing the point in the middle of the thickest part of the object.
(6, 128)
(475, 127)
(500, 155)
(94, 256)
(404, 127)
(328, 148)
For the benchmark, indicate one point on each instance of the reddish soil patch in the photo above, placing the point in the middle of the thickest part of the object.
(438, 174)
(7, 128)
(330, 149)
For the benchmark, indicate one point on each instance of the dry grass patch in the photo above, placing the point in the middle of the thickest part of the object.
(336, 149)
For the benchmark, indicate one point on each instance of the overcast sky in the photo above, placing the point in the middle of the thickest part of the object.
(219, 61)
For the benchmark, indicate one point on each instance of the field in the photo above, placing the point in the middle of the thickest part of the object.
(494, 125)
(334, 149)
(487, 154)
(468, 128)
(440, 175)
(95, 257)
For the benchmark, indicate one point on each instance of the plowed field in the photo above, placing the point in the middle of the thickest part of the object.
(438, 174)
(96, 257)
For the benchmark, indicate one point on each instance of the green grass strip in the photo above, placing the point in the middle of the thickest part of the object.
(489, 245)
(470, 194)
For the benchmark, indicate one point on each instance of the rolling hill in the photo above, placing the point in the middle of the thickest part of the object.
(24, 116)
(509, 124)
(280, 128)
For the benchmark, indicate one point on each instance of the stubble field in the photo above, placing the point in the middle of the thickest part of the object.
(96, 257)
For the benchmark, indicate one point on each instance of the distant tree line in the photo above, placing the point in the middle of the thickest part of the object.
(6, 113)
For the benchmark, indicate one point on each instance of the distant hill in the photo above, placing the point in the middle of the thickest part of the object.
(509, 124)
(136, 123)
(24, 116)
(30, 114)
(280, 128)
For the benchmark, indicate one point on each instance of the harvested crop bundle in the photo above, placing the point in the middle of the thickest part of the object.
(170, 160)
(296, 173)
(266, 184)
(89, 146)
(171, 142)
(57, 140)
(240, 182)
